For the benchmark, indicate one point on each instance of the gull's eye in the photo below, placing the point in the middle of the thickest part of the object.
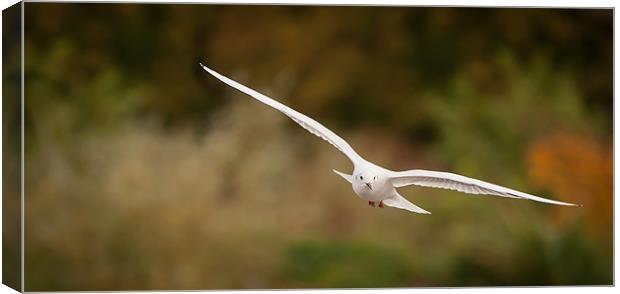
(374, 178)
(361, 178)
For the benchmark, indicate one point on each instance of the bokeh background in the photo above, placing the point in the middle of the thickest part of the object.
(144, 172)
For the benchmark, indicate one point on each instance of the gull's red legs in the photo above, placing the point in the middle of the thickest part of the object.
(371, 203)
(381, 204)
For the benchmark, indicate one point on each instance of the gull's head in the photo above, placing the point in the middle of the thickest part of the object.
(366, 180)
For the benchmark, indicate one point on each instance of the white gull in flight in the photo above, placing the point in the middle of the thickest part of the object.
(376, 184)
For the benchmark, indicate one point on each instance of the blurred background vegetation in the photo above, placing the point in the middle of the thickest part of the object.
(143, 172)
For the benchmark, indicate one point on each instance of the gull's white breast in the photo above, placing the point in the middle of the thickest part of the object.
(381, 189)
(378, 192)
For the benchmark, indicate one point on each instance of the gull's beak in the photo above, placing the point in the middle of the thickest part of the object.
(369, 185)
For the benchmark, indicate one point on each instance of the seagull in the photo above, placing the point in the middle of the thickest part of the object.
(376, 184)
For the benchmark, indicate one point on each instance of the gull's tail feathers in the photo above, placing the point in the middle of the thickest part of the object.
(345, 176)
(402, 203)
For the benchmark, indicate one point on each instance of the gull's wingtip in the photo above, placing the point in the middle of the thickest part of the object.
(212, 72)
(565, 203)
(423, 211)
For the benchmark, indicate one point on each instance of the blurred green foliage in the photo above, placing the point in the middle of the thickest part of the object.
(351, 265)
(145, 173)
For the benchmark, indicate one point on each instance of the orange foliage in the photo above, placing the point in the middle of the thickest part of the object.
(578, 169)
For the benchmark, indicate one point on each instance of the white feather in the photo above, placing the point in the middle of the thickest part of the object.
(460, 183)
(306, 122)
(402, 203)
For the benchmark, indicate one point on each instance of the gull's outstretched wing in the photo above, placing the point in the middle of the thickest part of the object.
(460, 183)
(306, 122)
